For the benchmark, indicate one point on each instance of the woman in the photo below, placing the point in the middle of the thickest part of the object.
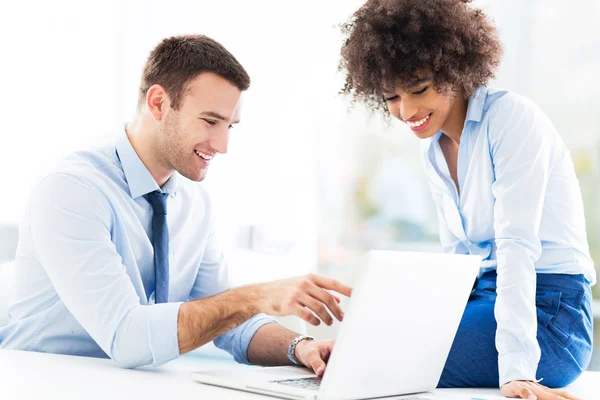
(504, 186)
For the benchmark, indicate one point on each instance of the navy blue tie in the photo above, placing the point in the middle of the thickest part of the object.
(160, 242)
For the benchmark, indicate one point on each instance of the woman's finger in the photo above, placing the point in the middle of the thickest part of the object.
(544, 392)
(564, 394)
(517, 389)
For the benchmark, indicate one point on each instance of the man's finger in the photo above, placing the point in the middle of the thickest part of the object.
(327, 298)
(326, 350)
(317, 307)
(317, 364)
(331, 284)
(306, 315)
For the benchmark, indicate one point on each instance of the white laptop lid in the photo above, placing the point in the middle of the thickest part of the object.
(396, 335)
(400, 324)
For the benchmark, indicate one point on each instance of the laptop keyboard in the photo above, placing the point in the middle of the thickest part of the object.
(311, 383)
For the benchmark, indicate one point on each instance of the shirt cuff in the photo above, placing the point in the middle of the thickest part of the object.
(162, 324)
(248, 331)
(516, 367)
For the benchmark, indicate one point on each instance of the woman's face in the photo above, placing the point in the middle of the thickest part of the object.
(421, 107)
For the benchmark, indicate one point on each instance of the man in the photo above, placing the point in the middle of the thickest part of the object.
(117, 254)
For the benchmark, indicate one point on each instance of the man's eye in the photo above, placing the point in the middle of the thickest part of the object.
(422, 90)
(230, 126)
(209, 121)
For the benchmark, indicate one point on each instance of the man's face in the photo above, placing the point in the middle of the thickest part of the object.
(422, 108)
(190, 137)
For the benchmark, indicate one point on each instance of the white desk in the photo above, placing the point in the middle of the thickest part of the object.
(27, 375)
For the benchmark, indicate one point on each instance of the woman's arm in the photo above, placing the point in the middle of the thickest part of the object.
(522, 143)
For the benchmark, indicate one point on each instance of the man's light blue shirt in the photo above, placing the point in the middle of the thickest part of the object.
(518, 206)
(85, 263)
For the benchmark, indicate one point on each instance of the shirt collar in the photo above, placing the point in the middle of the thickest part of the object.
(476, 104)
(139, 179)
(474, 113)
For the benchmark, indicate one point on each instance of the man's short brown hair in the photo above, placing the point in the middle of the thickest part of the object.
(178, 59)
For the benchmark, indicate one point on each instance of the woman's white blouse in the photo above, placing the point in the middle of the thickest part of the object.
(519, 208)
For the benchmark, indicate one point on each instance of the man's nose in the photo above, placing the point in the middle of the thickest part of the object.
(220, 141)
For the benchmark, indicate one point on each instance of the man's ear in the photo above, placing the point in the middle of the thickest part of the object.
(157, 101)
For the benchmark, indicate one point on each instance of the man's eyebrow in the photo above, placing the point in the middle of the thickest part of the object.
(218, 116)
(214, 115)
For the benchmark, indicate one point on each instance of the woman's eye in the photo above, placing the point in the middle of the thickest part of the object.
(422, 90)
(391, 98)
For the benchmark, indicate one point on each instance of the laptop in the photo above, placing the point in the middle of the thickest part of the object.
(395, 338)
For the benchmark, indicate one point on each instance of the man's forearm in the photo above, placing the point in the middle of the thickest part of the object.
(200, 321)
(270, 345)
(307, 297)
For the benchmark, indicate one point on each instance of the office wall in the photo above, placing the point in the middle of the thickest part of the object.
(314, 180)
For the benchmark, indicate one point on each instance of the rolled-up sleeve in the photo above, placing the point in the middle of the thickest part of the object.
(237, 340)
(70, 228)
(213, 279)
(522, 143)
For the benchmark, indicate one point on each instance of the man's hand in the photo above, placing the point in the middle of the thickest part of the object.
(314, 354)
(534, 391)
(296, 296)
(200, 321)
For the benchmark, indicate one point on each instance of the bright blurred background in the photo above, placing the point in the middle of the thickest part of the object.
(309, 182)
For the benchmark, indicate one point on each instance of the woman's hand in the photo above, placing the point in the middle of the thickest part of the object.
(534, 391)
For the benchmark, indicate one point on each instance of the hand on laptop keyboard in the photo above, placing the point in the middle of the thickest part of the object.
(315, 354)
